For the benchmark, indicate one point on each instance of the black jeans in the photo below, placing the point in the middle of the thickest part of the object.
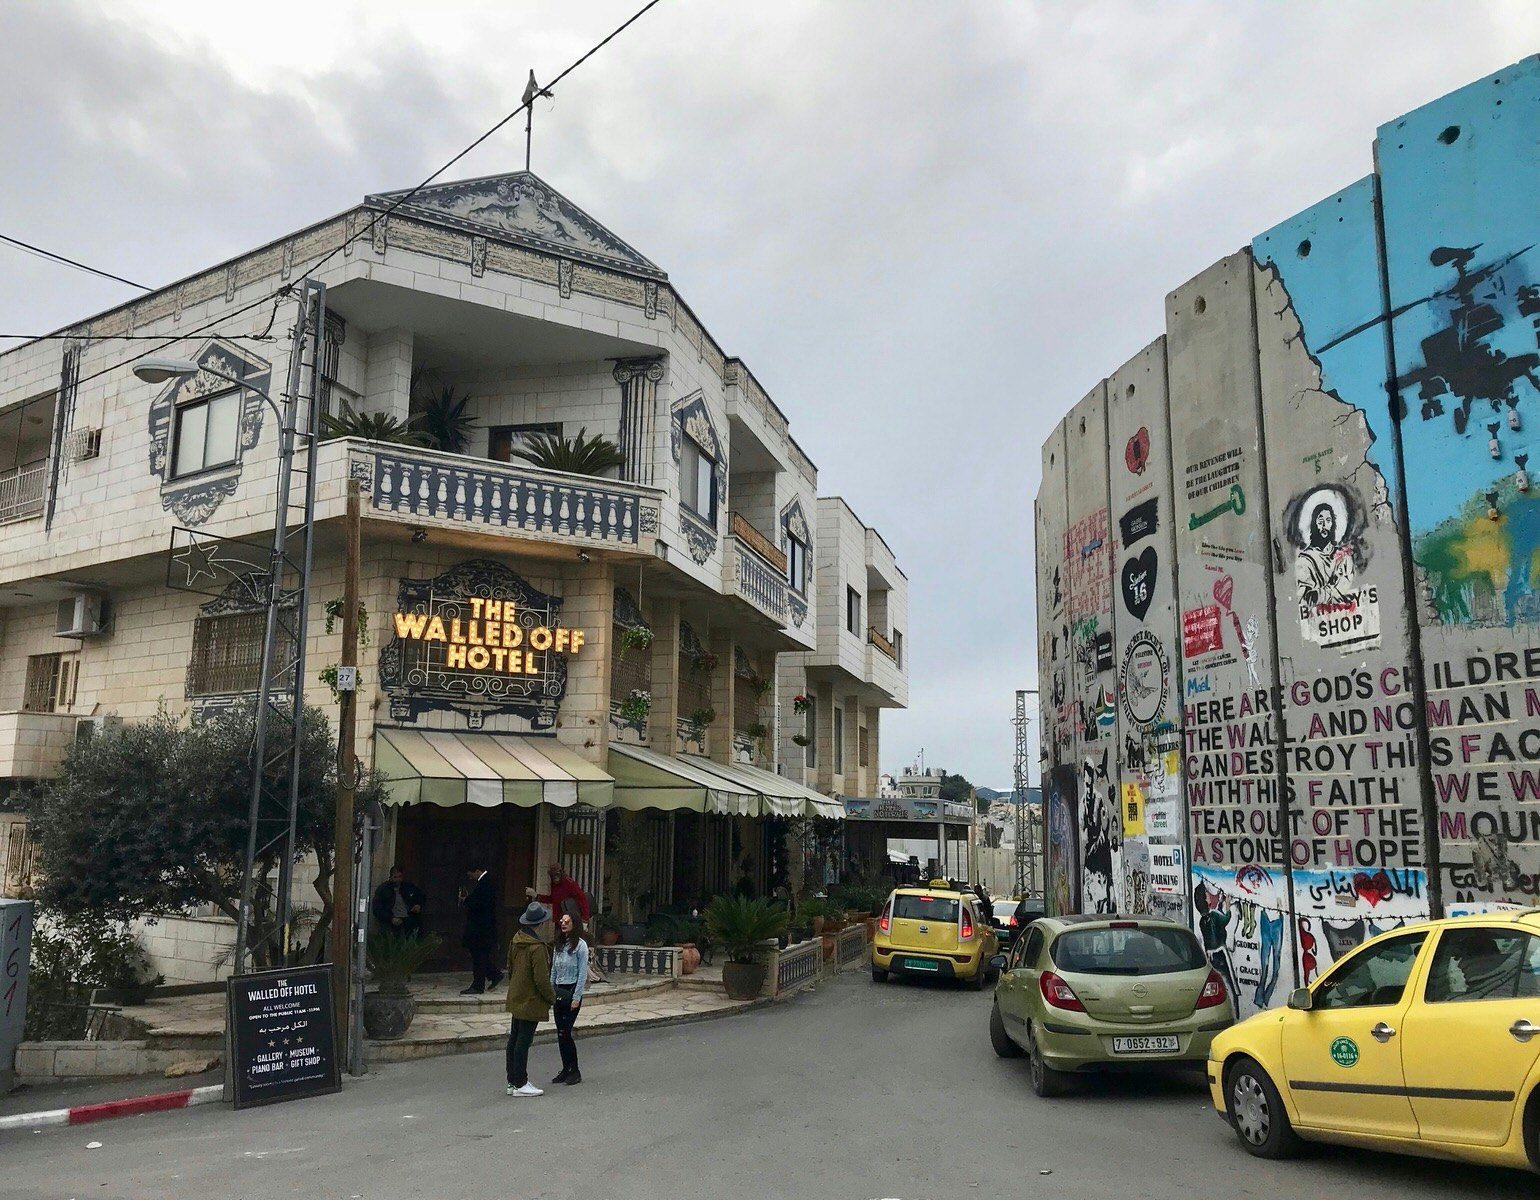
(520, 1037)
(565, 1017)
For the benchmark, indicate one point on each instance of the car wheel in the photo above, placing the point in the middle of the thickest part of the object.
(998, 1038)
(1046, 1082)
(976, 983)
(879, 975)
(1256, 1112)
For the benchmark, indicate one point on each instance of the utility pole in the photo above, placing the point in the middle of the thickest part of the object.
(1026, 832)
(343, 924)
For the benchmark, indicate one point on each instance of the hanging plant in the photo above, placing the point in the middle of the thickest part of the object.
(636, 638)
(757, 731)
(328, 676)
(704, 662)
(762, 687)
(800, 703)
(635, 707)
(801, 739)
(700, 719)
(334, 614)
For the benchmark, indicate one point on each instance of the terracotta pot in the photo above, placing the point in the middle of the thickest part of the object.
(743, 981)
(610, 937)
(689, 958)
(387, 1016)
(828, 946)
(871, 929)
(818, 925)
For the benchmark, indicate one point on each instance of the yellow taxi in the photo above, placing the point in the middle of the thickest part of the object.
(1422, 1040)
(936, 931)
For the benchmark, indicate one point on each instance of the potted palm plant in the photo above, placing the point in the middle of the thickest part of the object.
(745, 930)
(393, 959)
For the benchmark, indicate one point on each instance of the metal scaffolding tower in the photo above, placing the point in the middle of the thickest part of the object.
(1027, 856)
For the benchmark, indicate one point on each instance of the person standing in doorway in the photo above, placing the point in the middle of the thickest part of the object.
(569, 972)
(479, 899)
(530, 996)
(397, 905)
(566, 894)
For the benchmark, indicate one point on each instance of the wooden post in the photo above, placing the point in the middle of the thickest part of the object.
(342, 879)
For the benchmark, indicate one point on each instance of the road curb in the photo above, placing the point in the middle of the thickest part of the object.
(83, 1114)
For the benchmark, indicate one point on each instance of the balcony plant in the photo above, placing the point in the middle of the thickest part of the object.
(800, 703)
(581, 455)
(744, 929)
(636, 638)
(700, 720)
(393, 959)
(635, 707)
(801, 739)
(372, 427)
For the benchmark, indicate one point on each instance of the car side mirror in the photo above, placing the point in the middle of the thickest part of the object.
(998, 962)
(1300, 999)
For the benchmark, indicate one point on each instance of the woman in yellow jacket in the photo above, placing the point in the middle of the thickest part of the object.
(530, 995)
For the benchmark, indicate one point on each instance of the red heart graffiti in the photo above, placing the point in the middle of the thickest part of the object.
(1373, 888)
(1224, 591)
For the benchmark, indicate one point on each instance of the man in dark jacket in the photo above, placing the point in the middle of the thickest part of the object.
(397, 905)
(480, 903)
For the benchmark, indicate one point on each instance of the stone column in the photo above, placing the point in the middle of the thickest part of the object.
(874, 759)
(823, 735)
(388, 376)
(589, 605)
(719, 739)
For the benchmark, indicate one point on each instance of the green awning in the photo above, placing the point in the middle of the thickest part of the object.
(486, 769)
(647, 779)
(780, 796)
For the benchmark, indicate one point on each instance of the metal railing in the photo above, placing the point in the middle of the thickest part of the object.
(797, 964)
(759, 582)
(22, 493)
(740, 528)
(851, 947)
(418, 484)
(876, 637)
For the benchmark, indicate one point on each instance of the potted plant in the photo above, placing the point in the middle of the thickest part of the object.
(633, 639)
(800, 703)
(743, 928)
(814, 912)
(635, 707)
(607, 926)
(700, 719)
(393, 959)
(801, 739)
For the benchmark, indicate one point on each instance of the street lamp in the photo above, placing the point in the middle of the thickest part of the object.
(275, 776)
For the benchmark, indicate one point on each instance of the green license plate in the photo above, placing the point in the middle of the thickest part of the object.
(920, 964)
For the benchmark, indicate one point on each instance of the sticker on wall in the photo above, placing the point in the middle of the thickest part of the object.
(1168, 870)
(1138, 582)
(1104, 655)
(1133, 810)
(1140, 521)
(1160, 817)
(1145, 678)
(1201, 631)
(1137, 453)
(1325, 525)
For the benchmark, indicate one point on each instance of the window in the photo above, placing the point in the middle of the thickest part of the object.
(861, 746)
(853, 610)
(924, 908)
(839, 740)
(898, 649)
(796, 563)
(1484, 964)
(1123, 951)
(1027, 949)
(1371, 977)
(207, 434)
(698, 480)
(45, 676)
(227, 654)
(503, 440)
(18, 861)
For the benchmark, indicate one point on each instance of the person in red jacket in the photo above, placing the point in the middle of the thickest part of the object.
(564, 888)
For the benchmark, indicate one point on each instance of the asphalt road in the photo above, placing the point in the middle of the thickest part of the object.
(855, 1091)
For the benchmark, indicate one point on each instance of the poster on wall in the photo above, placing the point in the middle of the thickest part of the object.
(1063, 842)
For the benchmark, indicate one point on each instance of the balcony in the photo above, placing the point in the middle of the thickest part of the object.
(22, 493)
(33, 744)
(876, 637)
(426, 486)
(757, 570)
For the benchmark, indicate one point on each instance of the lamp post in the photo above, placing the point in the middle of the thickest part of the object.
(275, 773)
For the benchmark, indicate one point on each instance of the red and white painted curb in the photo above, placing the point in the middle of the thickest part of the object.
(83, 1114)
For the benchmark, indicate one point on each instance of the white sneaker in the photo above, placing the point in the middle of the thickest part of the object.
(528, 1089)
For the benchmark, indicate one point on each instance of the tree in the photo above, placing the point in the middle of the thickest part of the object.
(150, 819)
(955, 787)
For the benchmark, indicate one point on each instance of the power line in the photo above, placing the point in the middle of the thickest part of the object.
(70, 262)
(380, 216)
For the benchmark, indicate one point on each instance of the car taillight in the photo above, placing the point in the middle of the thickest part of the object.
(1014, 921)
(1058, 993)
(967, 925)
(1213, 991)
(887, 909)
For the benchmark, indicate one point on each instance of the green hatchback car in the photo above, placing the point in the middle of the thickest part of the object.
(1106, 993)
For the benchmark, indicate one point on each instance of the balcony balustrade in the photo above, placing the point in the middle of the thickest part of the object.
(876, 637)
(22, 493)
(757, 580)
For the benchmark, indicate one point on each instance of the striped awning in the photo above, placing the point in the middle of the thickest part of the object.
(487, 769)
(647, 779)
(781, 796)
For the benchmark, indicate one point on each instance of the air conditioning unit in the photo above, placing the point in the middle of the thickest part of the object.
(81, 616)
(88, 727)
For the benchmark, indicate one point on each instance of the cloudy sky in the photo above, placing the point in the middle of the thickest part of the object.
(928, 227)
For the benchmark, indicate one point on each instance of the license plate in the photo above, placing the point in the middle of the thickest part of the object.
(1146, 1045)
(920, 964)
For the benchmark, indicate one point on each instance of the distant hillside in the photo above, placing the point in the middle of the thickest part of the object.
(1034, 795)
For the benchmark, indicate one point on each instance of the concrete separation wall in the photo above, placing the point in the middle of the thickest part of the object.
(1313, 515)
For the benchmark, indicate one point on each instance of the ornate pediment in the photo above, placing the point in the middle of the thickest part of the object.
(519, 208)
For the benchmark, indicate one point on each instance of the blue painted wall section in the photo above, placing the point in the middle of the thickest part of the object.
(1397, 422)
